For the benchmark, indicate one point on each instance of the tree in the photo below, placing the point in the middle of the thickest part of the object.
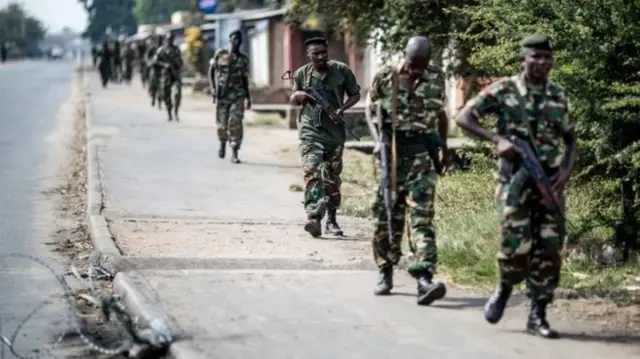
(159, 11)
(18, 28)
(116, 15)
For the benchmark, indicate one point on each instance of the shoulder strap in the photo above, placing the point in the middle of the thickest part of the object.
(307, 73)
(523, 112)
(394, 115)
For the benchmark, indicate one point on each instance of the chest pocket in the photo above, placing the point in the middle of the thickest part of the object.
(226, 62)
(330, 85)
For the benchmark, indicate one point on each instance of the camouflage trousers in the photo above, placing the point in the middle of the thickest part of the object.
(167, 83)
(414, 206)
(531, 243)
(322, 166)
(154, 82)
(229, 121)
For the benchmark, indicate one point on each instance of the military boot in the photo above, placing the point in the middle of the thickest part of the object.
(223, 149)
(170, 114)
(313, 227)
(494, 308)
(537, 323)
(175, 115)
(428, 292)
(234, 156)
(332, 224)
(385, 281)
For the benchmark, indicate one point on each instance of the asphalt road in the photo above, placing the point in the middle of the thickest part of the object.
(31, 96)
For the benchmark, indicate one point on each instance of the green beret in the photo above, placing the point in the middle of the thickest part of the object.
(537, 41)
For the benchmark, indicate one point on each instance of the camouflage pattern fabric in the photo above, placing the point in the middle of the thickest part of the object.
(231, 70)
(322, 166)
(229, 116)
(128, 55)
(416, 119)
(337, 82)
(154, 72)
(170, 77)
(530, 236)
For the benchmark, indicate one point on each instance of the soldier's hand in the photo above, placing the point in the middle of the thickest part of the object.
(506, 148)
(247, 104)
(302, 97)
(213, 96)
(444, 158)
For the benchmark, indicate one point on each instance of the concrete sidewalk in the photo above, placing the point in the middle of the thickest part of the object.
(223, 246)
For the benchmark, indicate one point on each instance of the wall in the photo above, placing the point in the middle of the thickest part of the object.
(259, 54)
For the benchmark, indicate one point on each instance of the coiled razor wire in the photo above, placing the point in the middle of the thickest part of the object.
(155, 339)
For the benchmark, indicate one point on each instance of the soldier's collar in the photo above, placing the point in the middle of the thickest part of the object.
(524, 89)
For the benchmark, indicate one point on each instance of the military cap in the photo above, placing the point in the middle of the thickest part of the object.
(315, 41)
(538, 42)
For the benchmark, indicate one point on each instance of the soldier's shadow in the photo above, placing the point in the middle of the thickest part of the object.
(464, 302)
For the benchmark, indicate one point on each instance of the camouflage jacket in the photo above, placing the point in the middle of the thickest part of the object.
(546, 114)
(231, 70)
(417, 111)
(169, 55)
(337, 82)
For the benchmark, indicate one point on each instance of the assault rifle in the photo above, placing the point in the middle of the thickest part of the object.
(531, 168)
(321, 105)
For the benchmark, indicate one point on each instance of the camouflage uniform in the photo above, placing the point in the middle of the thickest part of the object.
(128, 56)
(170, 77)
(153, 72)
(416, 125)
(321, 147)
(231, 70)
(531, 240)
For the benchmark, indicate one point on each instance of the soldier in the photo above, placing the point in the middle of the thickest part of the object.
(153, 70)
(530, 106)
(322, 139)
(169, 59)
(3, 53)
(128, 55)
(419, 126)
(229, 81)
(141, 54)
(104, 63)
(116, 70)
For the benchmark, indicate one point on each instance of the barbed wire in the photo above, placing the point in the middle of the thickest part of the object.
(138, 343)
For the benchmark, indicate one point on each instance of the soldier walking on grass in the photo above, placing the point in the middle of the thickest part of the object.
(229, 81)
(322, 138)
(169, 59)
(413, 128)
(531, 107)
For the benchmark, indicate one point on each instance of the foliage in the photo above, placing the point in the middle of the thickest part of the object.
(18, 28)
(195, 48)
(116, 15)
(159, 11)
(597, 55)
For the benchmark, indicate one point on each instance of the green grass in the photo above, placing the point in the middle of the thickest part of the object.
(467, 229)
(265, 120)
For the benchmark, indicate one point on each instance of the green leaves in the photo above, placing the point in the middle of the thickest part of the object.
(18, 28)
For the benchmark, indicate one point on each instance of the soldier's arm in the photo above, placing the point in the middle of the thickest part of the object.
(483, 104)
(352, 88)
(298, 81)
(245, 78)
(371, 109)
(212, 73)
(443, 120)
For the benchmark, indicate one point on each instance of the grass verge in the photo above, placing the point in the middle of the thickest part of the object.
(265, 120)
(467, 230)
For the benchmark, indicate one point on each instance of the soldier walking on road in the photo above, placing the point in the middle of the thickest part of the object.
(141, 53)
(104, 64)
(535, 109)
(229, 81)
(128, 55)
(322, 139)
(153, 70)
(3, 53)
(412, 101)
(169, 59)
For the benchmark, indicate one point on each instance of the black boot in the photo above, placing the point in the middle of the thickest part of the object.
(494, 308)
(170, 115)
(385, 281)
(537, 323)
(234, 156)
(313, 227)
(175, 114)
(223, 149)
(429, 292)
(332, 224)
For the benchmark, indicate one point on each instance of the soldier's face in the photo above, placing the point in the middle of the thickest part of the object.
(318, 55)
(538, 63)
(416, 66)
(168, 40)
(234, 41)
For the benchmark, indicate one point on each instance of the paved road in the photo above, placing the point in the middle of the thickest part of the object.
(32, 95)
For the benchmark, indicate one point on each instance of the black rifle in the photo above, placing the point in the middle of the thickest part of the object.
(531, 168)
(321, 105)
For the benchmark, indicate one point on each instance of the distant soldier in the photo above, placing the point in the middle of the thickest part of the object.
(128, 56)
(322, 137)
(154, 70)
(3, 53)
(169, 59)
(418, 124)
(116, 60)
(530, 107)
(141, 52)
(229, 81)
(105, 63)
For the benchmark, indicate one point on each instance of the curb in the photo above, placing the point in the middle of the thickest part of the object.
(137, 301)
